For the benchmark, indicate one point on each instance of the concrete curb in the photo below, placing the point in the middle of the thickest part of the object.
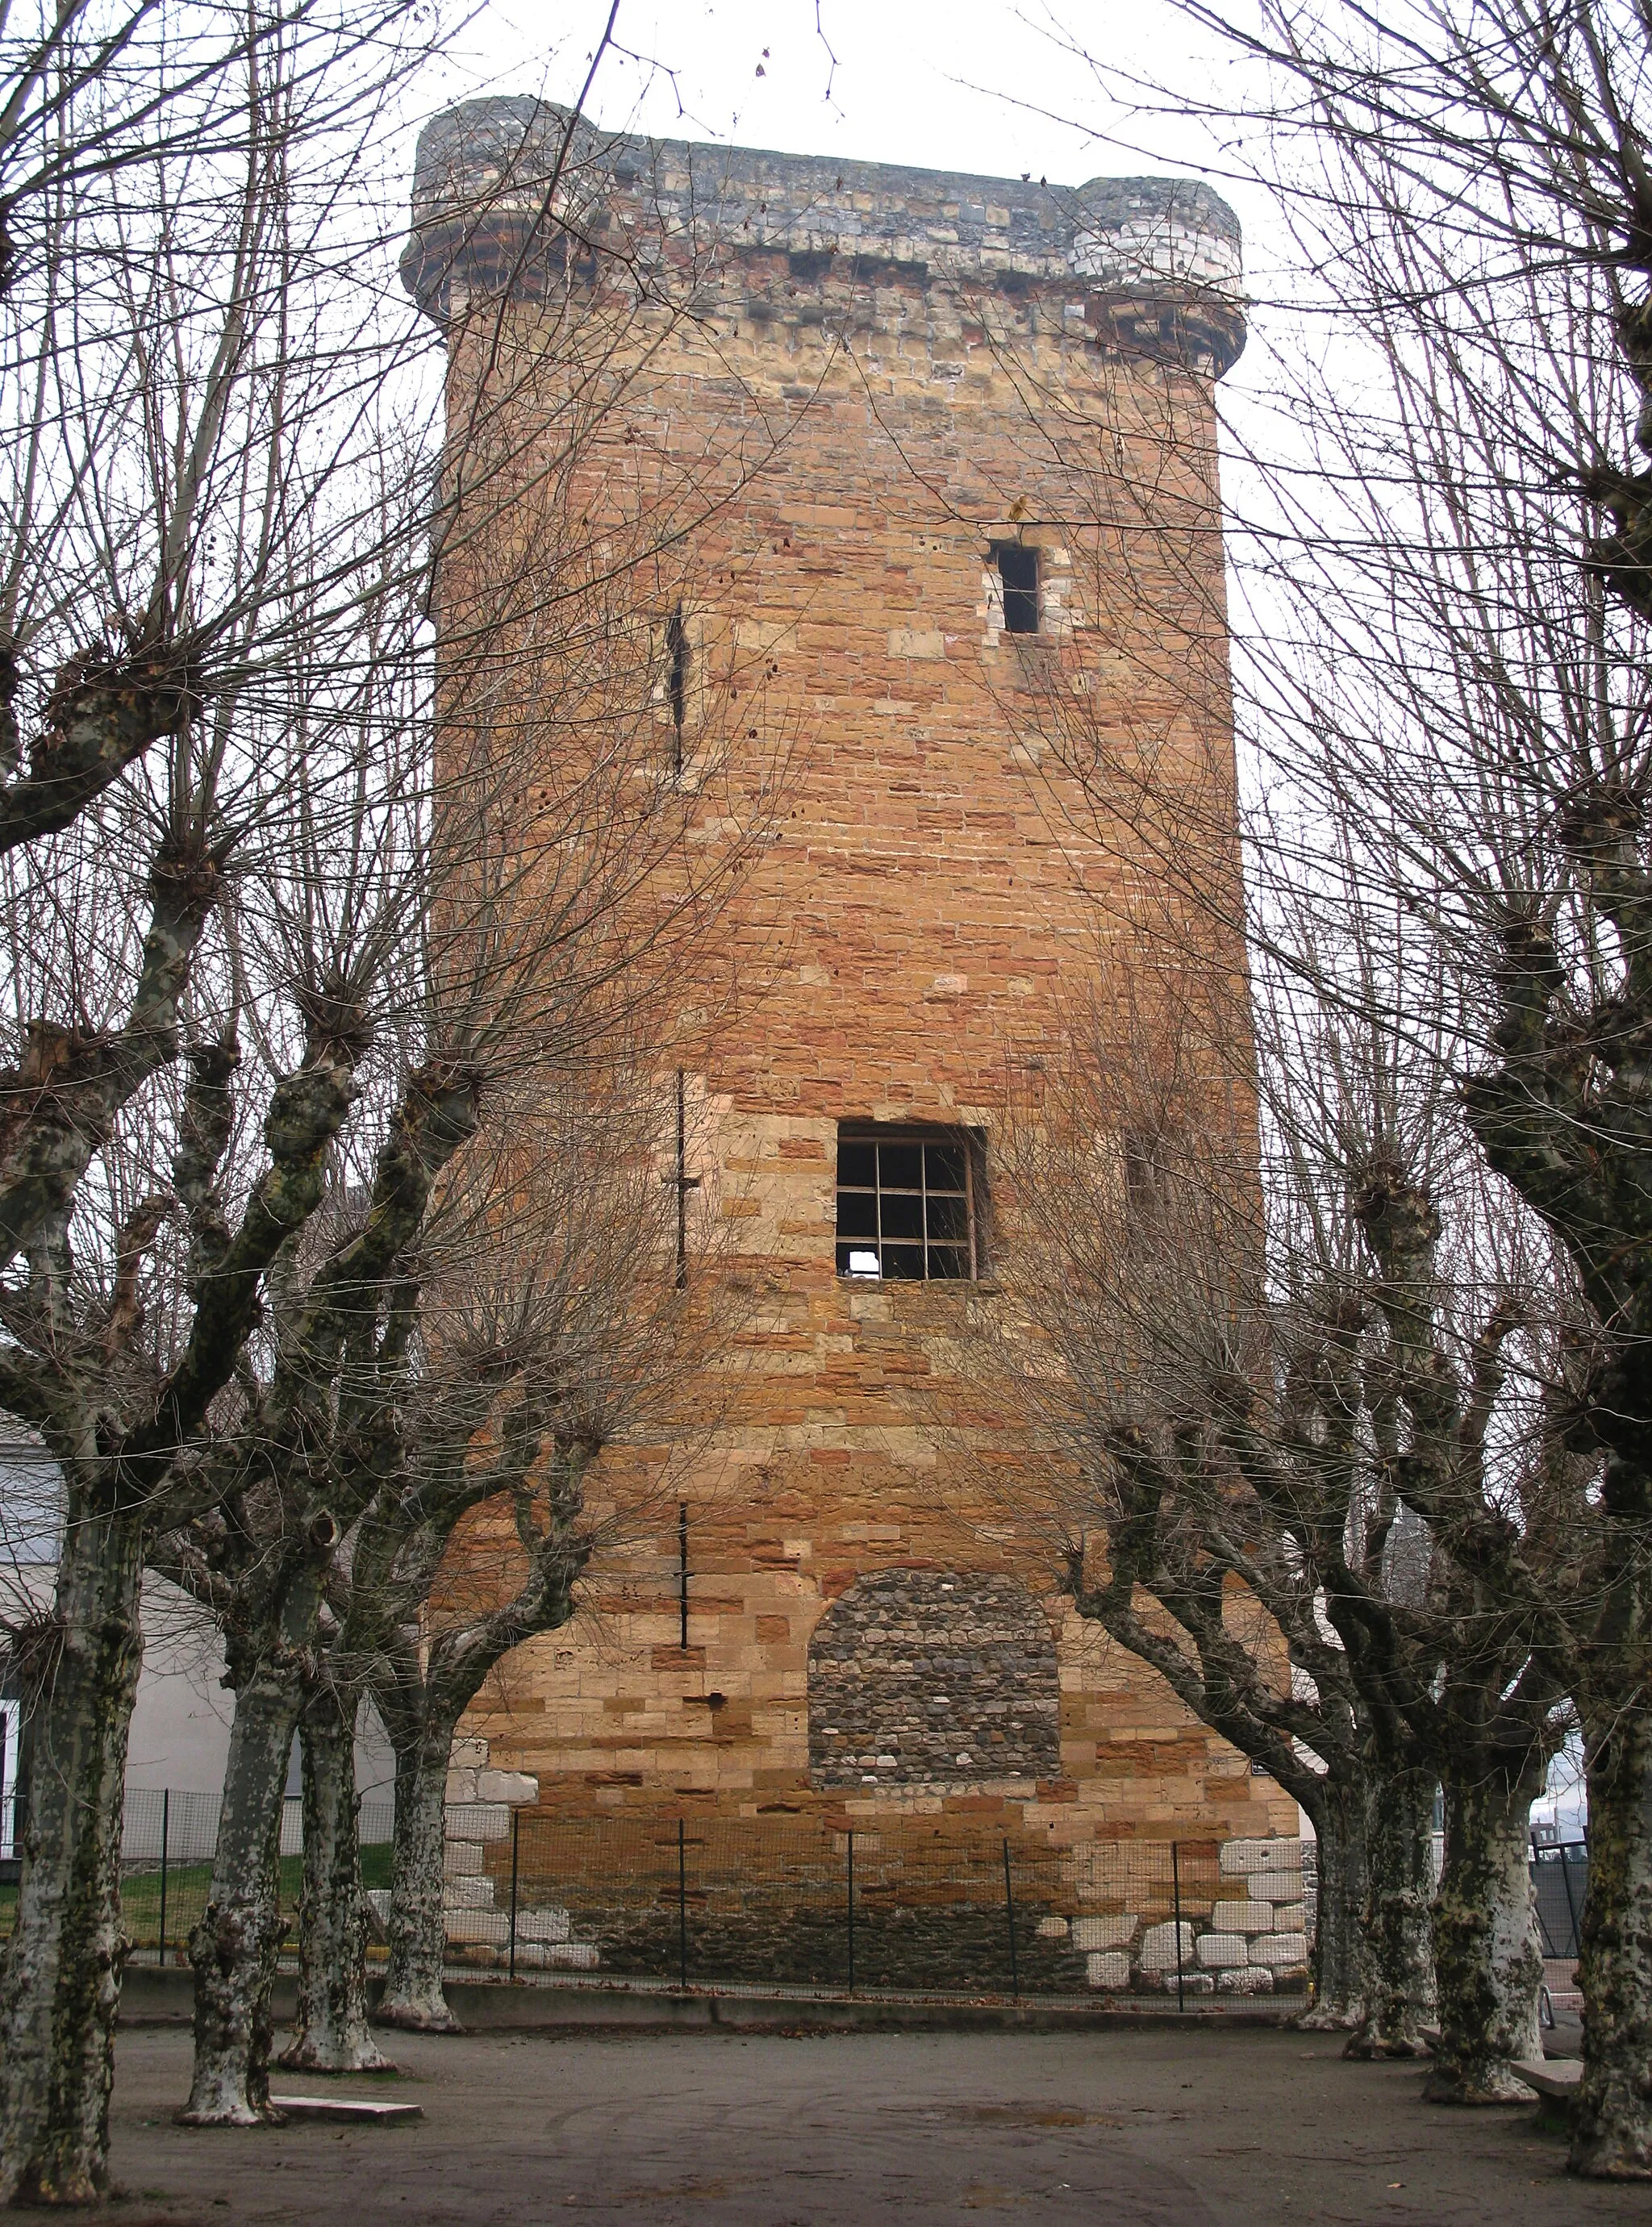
(151, 1996)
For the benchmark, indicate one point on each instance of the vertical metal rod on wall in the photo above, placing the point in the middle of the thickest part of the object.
(1175, 1896)
(682, 1570)
(682, 1907)
(1009, 1904)
(516, 1842)
(166, 1805)
(851, 1913)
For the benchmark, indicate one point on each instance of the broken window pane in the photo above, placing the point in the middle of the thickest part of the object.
(900, 1167)
(948, 1218)
(856, 1214)
(857, 1164)
(944, 1167)
(901, 1215)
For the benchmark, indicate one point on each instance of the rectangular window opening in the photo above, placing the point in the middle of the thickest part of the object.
(910, 1203)
(1018, 571)
(677, 679)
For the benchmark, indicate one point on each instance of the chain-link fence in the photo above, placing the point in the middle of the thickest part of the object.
(915, 1907)
(1560, 1877)
(908, 1909)
(167, 1840)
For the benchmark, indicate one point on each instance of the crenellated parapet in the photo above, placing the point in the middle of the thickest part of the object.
(512, 195)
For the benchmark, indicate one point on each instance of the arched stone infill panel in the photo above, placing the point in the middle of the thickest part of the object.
(932, 1677)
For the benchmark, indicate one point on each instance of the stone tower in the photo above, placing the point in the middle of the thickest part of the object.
(987, 501)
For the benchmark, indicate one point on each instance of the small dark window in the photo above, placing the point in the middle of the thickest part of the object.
(1018, 569)
(907, 1205)
(677, 677)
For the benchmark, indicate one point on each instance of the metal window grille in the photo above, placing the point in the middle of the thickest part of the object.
(907, 1206)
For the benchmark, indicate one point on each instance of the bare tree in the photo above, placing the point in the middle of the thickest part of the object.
(1442, 656)
(1252, 1344)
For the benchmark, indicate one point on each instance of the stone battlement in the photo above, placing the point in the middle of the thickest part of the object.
(486, 217)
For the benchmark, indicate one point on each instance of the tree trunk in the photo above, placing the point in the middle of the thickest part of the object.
(236, 1944)
(62, 1985)
(1399, 1981)
(417, 1925)
(1486, 1953)
(1612, 2134)
(1338, 1977)
(333, 2034)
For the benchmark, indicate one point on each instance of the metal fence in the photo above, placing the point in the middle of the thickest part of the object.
(909, 1908)
(168, 1841)
(1560, 1877)
(915, 1907)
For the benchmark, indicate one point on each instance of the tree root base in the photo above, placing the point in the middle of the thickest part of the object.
(1496, 2088)
(412, 2017)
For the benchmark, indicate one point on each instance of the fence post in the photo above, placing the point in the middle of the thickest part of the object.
(1572, 1907)
(852, 1911)
(682, 1906)
(516, 1838)
(166, 1804)
(1009, 1905)
(1176, 1895)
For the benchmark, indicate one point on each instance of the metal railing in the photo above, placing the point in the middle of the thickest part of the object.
(914, 1908)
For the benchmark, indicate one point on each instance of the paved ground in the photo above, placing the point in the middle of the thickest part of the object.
(1169, 2127)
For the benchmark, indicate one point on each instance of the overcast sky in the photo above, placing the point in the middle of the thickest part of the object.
(961, 84)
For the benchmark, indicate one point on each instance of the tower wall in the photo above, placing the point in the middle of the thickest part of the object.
(886, 372)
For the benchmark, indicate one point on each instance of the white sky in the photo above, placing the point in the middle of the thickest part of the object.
(961, 85)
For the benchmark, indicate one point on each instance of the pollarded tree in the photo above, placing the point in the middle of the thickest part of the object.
(1251, 1357)
(1443, 613)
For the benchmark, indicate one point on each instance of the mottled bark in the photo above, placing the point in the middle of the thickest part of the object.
(62, 1984)
(417, 1928)
(1396, 1940)
(1612, 2129)
(1338, 1968)
(235, 1946)
(332, 2032)
(1488, 1957)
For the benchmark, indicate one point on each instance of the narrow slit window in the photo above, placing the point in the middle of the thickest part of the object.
(907, 1205)
(677, 678)
(1018, 571)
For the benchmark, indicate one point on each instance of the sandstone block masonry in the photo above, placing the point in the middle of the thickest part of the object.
(889, 377)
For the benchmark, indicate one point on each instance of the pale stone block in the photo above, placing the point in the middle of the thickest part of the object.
(512, 1786)
(1217, 1950)
(467, 1894)
(1243, 1918)
(1104, 1932)
(478, 1820)
(1276, 1887)
(1111, 1970)
(1291, 1917)
(467, 1754)
(916, 641)
(477, 1925)
(542, 1925)
(1158, 1946)
(1052, 1928)
(1246, 1980)
(461, 1858)
(573, 1956)
(1241, 1858)
(1279, 1948)
(462, 1785)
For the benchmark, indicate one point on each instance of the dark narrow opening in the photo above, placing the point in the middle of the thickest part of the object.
(1018, 569)
(677, 677)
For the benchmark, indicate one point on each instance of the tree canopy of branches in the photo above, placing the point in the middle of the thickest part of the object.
(1441, 563)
